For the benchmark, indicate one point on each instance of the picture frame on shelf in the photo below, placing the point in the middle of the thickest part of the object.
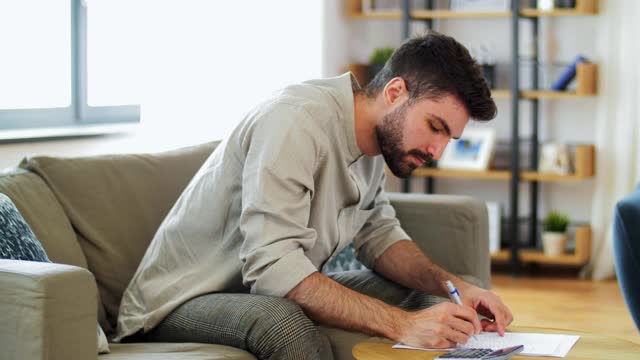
(554, 158)
(480, 5)
(473, 151)
(545, 5)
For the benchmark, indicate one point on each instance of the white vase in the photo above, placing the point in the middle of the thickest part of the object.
(553, 243)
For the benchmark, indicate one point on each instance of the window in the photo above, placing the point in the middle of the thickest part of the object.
(185, 69)
(44, 69)
(36, 59)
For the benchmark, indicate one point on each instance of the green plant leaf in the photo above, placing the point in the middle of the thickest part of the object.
(380, 56)
(555, 222)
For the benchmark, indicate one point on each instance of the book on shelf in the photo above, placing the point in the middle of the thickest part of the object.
(567, 75)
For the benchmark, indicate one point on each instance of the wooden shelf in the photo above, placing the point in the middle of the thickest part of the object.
(539, 94)
(448, 14)
(496, 175)
(584, 164)
(583, 7)
(586, 85)
(473, 174)
(377, 15)
(579, 257)
(546, 177)
(554, 12)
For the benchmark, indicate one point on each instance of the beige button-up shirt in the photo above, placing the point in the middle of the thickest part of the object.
(286, 191)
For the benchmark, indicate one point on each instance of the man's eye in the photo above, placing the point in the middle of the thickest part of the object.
(434, 129)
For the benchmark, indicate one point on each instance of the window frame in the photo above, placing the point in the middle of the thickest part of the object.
(78, 114)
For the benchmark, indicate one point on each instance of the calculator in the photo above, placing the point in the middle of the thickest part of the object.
(484, 354)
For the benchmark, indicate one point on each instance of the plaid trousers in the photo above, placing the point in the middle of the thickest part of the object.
(272, 327)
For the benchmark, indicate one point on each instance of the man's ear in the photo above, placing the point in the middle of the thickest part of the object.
(395, 89)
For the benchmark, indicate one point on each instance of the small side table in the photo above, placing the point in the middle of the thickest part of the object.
(589, 347)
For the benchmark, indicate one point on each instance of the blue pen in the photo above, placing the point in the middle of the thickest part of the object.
(454, 295)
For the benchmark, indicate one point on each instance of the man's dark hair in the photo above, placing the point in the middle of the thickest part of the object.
(435, 65)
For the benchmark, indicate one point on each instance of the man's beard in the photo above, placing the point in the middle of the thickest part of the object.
(391, 142)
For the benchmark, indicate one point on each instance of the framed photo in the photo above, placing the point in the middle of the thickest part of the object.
(554, 159)
(472, 151)
(480, 5)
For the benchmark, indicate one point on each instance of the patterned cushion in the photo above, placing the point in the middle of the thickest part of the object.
(18, 242)
(344, 261)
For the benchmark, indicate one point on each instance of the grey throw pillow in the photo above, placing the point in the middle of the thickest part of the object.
(18, 242)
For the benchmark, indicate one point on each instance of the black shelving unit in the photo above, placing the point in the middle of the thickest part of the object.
(513, 233)
(518, 252)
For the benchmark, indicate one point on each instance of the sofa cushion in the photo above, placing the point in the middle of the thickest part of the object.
(181, 351)
(116, 203)
(44, 214)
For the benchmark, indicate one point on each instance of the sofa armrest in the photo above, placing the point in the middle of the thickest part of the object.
(48, 311)
(452, 230)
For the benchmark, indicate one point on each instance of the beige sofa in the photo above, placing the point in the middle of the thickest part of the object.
(95, 217)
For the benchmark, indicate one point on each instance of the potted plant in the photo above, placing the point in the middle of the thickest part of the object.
(554, 236)
(378, 58)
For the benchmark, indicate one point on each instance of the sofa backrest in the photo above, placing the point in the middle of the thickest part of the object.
(115, 203)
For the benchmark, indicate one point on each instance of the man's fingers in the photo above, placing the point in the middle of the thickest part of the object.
(442, 343)
(432, 341)
(491, 327)
(468, 314)
(502, 316)
(449, 333)
(509, 317)
(485, 323)
(462, 326)
(499, 321)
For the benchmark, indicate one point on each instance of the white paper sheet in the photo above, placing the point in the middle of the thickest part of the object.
(555, 345)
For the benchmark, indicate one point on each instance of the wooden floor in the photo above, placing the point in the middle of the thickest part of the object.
(583, 305)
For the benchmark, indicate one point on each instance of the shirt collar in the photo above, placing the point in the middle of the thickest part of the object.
(347, 82)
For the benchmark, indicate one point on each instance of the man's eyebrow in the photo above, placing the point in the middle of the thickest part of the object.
(444, 125)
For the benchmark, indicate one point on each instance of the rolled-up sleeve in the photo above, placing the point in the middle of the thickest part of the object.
(381, 229)
(277, 188)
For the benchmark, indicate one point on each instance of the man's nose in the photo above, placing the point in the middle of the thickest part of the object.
(436, 149)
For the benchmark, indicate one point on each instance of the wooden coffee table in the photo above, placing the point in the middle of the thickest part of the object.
(589, 347)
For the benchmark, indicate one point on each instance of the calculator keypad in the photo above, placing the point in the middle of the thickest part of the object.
(466, 354)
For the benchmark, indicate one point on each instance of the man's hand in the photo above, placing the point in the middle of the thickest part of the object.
(489, 305)
(440, 326)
